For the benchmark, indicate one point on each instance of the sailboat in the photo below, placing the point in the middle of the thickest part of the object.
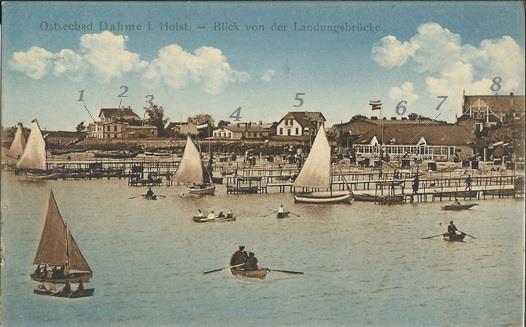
(316, 173)
(58, 258)
(33, 159)
(19, 143)
(191, 170)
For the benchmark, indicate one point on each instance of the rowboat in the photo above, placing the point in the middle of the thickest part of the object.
(205, 219)
(459, 206)
(316, 173)
(455, 238)
(260, 273)
(150, 197)
(39, 176)
(202, 189)
(367, 198)
(283, 214)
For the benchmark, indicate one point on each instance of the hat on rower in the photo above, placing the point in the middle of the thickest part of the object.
(241, 247)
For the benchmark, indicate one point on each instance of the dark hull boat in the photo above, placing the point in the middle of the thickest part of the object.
(58, 258)
(258, 274)
(454, 238)
(116, 154)
(458, 206)
(283, 214)
(72, 295)
(367, 198)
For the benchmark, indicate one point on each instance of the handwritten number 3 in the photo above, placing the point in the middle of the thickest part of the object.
(149, 100)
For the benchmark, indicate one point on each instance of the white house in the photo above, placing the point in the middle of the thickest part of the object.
(300, 123)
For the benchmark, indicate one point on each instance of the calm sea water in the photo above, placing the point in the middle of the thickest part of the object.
(364, 264)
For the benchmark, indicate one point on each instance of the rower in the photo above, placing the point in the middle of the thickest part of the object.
(211, 215)
(452, 229)
(456, 202)
(281, 209)
(239, 257)
(67, 288)
(230, 214)
(251, 263)
(81, 286)
(200, 213)
(149, 193)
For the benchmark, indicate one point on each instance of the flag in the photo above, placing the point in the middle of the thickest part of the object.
(375, 104)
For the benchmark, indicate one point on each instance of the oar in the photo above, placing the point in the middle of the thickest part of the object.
(467, 234)
(287, 271)
(227, 267)
(133, 197)
(162, 196)
(294, 214)
(423, 238)
(268, 214)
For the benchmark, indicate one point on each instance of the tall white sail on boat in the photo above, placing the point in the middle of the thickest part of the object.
(34, 155)
(316, 173)
(19, 143)
(191, 170)
(58, 258)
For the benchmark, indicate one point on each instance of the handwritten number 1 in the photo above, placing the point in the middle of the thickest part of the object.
(81, 96)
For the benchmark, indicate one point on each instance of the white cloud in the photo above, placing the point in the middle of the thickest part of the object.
(451, 66)
(389, 52)
(105, 57)
(268, 75)
(35, 62)
(405, 92)
(207, 66)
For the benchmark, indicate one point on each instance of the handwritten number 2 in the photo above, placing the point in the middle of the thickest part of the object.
(125, 89)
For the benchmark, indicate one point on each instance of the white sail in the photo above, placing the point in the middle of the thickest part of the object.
(316, 171)
(18, 145)
(34, 155)
(190, 169)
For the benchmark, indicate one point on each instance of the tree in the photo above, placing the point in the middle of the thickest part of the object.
(156, 118)
(80, 127)
(200, 119)
(222, 123)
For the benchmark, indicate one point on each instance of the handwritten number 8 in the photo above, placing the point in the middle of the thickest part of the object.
(496, 84)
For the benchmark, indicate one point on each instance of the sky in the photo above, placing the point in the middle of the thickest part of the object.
(411, 57)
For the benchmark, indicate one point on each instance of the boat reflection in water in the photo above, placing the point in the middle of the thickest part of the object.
(59, 260)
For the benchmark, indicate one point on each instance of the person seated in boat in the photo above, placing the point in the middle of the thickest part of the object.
(57, 272)
(211, 215)
(81, 286)
(200, 214)
(66, 289)
(451, 229)
(42, 287)
(149, 193)
(252, 262)
(239, 258)
(281, 209)
(457, 203)
(230, 214)
(221, 215)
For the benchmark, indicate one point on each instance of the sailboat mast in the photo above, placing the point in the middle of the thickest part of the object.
(66, 266)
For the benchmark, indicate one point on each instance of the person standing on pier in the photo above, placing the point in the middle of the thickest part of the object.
(415, 184)
(468, 183)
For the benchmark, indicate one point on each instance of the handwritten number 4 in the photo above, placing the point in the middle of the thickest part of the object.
(236, 114)
(443, 97)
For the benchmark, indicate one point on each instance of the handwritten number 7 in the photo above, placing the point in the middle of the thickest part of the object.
(443, 97)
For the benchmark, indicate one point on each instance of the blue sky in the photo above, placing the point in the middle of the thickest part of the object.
(423, 50)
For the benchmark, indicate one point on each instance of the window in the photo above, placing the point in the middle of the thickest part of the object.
(286, 121)
(281, 131)
(115, 128)
(288, 132)
(297, 131)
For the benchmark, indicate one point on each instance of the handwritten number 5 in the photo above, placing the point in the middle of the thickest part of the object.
(300, 100)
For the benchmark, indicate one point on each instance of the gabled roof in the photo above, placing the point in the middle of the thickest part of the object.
(497, 103)
(119, 112)
(305, 118)
(442, 134)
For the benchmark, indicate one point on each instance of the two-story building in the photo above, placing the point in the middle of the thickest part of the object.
(119, 123)
(493, 110)
(300, 123)
(243, 131)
